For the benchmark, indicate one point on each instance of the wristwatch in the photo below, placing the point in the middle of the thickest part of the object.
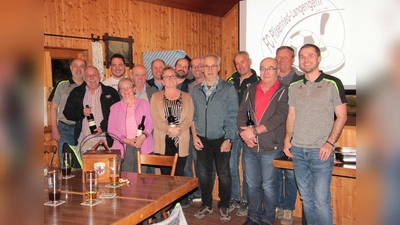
(255, 132)
(229, 140)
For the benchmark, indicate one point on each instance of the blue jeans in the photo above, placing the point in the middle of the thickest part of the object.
(287, 189)
(262, 181)
(234, 166)
(66, 135)
(209, 155)
(313, 177)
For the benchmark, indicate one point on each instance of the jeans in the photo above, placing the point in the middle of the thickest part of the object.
(209, 155)
(313, 177)
(262, 181)
(234, 166)
(287, 189)
(66, 135)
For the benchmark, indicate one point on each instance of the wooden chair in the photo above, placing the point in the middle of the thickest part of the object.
(50, 150)
(158, 160)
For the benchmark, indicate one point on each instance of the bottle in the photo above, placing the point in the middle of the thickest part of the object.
(92, 123)
(171, 118)
(140, 127)
(250, 122)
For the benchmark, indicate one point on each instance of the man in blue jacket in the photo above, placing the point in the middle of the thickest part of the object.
(214, 127)
(267, 102)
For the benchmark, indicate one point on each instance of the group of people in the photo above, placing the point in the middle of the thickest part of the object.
(205, 121)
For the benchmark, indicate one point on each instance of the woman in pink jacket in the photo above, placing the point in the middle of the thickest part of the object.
(125, 116)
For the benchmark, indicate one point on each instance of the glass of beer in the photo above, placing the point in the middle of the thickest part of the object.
(90, 186)
(54, 180)
(114, 165)
(66, 164)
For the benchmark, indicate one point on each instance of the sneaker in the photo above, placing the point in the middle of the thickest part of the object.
(278, 213)
(203, 212)
(243, 208)
(250, 222)
(185, 203)
(233, 204)
(224, 215)
(287, 218)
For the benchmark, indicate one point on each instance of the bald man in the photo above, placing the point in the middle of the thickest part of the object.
(143, 90)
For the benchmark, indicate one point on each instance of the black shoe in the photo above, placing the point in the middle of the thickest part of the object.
(185, 203)
(250, 222)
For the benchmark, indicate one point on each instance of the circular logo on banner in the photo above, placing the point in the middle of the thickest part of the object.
(100, 168)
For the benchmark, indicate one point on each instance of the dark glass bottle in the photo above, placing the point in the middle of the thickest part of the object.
(140, 127)
(171, 118)
(250, 122)
(91, 122)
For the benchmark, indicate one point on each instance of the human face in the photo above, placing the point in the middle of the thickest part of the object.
(182, 68)
(139, 76)
(156, 69)
(126, 89)
(195, 65)
(92, 78)
(78, 68)
(169, 79)
(285, 60)
(211, 69)
(117, 68)
(268, 71)
(242, 64)
(309, 60)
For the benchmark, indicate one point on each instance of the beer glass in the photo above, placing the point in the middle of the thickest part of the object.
(90, 186)
(66, 164)
(54, 180)
(114, 165)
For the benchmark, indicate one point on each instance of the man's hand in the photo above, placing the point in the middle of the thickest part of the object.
(198, 145)
(226, 146)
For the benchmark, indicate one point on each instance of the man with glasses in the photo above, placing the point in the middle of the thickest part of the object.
(241, 79)
(287, 187)
(214, 127)
(267, 102)
(117, 68)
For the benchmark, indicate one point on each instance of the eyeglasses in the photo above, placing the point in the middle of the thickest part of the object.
(270, 69)
(126, 88)
(208, 67)
(169, 77)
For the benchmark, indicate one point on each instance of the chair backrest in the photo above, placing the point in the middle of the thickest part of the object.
(49, 152)
(157, 160)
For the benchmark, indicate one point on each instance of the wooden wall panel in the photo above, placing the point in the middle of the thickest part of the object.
(153, 27)
(230, 41)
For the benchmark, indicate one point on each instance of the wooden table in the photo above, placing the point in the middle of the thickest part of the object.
(146, 194)
(343, 190)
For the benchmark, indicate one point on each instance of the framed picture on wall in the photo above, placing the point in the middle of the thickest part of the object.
(118, 45)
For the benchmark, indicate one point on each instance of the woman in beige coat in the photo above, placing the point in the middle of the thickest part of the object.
(168, 139)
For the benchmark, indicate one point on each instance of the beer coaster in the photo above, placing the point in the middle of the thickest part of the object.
(91, 203)
(108, 195)
(68, 177)
(113, 186)
(50, 203)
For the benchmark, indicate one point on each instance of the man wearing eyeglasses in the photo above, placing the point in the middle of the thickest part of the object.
(214, 127)
(241, 79)
(267, 102)
(287, 187)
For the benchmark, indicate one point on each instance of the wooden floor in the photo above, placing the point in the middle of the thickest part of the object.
(214, 218)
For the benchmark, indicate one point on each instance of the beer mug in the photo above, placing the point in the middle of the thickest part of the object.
(114, 165)
(90, 186)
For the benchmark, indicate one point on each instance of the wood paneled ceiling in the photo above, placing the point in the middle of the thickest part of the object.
(210, 7)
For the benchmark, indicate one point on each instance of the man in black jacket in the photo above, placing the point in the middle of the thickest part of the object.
(99, 98)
